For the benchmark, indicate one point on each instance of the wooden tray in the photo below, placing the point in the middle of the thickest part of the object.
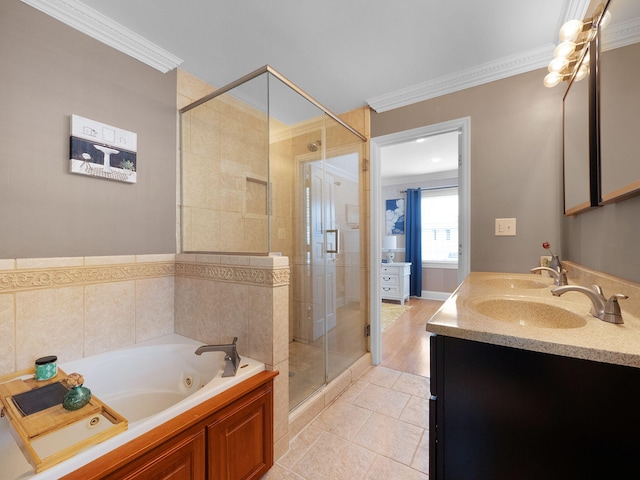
(36, 426)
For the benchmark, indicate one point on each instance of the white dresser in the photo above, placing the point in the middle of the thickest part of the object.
(394, 284)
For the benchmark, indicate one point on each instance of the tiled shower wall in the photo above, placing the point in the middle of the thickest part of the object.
(81, 306)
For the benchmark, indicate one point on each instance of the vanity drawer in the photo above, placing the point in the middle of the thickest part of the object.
(389, 279)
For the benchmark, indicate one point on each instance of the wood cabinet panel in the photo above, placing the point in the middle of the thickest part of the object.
(241, 439)
(176, 460)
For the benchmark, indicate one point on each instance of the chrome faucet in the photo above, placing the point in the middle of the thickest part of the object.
(605, 309)
(232, 359)
(559, 275)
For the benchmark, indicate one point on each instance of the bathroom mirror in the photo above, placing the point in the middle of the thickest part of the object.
(579, 158)
(619, 98)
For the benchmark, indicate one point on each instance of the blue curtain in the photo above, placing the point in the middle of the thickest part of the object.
(413, 246)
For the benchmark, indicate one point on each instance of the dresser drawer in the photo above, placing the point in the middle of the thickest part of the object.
(390, 291)
(389, 279)
(390, 270)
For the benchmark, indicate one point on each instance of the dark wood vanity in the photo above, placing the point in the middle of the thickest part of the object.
(228, 437)
(498, 412)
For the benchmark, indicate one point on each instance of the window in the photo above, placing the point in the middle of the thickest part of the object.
(440, 226)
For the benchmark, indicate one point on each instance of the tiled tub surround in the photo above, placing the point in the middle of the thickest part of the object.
(80, 306)
(596, 340)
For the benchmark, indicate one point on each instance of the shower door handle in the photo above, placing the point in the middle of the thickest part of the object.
(332, 239)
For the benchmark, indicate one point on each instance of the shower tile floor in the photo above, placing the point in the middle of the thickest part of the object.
(376, 429)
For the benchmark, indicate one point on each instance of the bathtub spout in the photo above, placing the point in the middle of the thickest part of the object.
(232, 359)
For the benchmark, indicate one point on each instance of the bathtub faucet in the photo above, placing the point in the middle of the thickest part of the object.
(232, 359)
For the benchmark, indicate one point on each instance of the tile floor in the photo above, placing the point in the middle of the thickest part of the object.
(377, 429)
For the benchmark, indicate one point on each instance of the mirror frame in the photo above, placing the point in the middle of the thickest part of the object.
(593, 139)
(632, 188)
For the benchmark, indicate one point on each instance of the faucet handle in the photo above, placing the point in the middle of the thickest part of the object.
(612, 312)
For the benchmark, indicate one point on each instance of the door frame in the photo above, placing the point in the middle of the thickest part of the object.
(375, 231)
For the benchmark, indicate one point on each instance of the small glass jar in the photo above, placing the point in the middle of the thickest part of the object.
(46, 367)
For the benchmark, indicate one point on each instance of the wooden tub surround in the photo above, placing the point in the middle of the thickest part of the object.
(228, 437)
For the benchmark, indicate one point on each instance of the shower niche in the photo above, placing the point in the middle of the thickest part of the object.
(266, 169)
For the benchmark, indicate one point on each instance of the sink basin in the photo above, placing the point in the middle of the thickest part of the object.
(511, 282)
(528, 313)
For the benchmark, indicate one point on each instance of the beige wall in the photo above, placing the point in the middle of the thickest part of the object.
(50, 71)
(516, 163)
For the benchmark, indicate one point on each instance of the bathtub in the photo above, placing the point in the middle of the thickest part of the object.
(148, 384)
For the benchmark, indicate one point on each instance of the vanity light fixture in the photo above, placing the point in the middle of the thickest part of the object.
(571, 58)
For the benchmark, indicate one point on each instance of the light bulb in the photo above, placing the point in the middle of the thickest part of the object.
(552, 79)
(565, 49)
(570, 30)
(582, 72)
(558, 64)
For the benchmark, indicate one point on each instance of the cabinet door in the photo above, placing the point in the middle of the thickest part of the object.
(176, 460)
(241, 439)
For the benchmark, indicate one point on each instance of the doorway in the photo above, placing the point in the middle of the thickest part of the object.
(462, 126)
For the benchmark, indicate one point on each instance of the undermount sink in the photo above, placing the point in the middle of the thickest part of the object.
(528, 313)
(512, 282)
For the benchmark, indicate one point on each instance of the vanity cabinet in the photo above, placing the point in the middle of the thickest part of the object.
(503, 413)
(394, 281)
(228, 437)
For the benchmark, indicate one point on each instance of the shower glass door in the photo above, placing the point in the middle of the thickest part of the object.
(328, 271)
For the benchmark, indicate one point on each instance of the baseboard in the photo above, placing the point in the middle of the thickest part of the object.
(429, 295)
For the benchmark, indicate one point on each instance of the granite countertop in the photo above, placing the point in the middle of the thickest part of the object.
(588, 338)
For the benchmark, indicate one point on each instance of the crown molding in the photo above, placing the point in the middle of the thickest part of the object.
(480, 74)
(621, 34)
(94, 24)
(472, 77)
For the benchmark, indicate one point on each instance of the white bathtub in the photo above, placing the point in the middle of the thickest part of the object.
(148, 384)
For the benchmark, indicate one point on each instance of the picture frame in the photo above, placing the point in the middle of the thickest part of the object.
(102, 151)
(394, 216)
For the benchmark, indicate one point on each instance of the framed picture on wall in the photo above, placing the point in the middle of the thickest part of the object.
(102, 151)
(394, 217)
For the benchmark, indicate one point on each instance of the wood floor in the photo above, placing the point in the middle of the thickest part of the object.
(405, 344)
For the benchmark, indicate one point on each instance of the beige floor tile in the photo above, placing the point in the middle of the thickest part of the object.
(351, 393)
(334, 458)
(421, 458)
(416, 412)
(386, 469)
(342, 419)
(413, 384)
(299, 445)
(390, 437)
(382, 400)
(279, 472)
(383, 376)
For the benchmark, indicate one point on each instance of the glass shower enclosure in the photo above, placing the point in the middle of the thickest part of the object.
(266, 169)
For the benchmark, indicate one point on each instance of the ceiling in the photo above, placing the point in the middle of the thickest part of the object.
(344, 53)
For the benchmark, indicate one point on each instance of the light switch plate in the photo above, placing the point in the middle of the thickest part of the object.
(505, 227)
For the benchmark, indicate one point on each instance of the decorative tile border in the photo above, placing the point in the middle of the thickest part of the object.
(235, 273)
(30, 279)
